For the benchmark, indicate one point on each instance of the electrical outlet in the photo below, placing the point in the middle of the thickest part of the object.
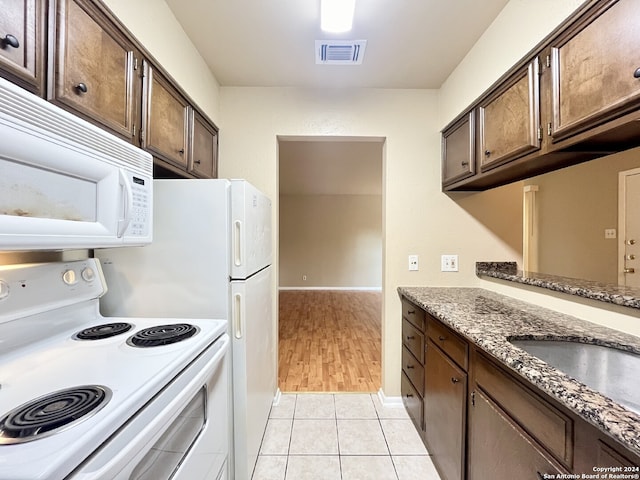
(449, 263)
(609, 233)
(413, 263)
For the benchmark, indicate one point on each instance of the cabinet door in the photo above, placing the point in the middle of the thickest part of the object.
(596, 69)
(94, 68)
(510, 119)
(203, 157)
(165, 119)
(22, 43)
(445, 412)
(498, 448)
(458, 150)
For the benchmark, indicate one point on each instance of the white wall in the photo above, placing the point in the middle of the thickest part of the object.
(417, 217)
(155, 26)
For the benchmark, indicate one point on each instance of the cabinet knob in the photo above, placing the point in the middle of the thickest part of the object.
(454, 380)
(464, 164)
(409, 367)
(487, 153)
(81, 88)
(636, 74)
(181, 151)
(410, 337)
(10, 40)
(629, 270)
(441, 338)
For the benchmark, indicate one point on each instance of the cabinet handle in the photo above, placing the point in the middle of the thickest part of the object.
(464, 164)
(441, 338)
(410, 337)
(181, 151)
(81, 88)
(454, 380)
(197, 162)
(10, 40)
(487, 153)
(411, 312)
(409, 367)
(636, 74)
(409, 395)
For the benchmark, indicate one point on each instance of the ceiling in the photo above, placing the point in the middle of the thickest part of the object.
(271, 43)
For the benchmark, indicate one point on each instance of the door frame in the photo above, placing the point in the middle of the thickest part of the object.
(622, 215)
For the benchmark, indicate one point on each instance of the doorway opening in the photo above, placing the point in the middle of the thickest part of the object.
(330, 264)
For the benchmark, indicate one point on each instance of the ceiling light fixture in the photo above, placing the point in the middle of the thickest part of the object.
(336, 16)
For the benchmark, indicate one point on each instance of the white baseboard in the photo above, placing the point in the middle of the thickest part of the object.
(392, 402)
(372, 289)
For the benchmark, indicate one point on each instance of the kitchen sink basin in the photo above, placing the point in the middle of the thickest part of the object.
(610, 371)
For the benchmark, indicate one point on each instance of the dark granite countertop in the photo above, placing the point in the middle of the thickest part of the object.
(602, 292)
(489, 320)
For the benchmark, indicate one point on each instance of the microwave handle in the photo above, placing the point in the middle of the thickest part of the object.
(127, 200)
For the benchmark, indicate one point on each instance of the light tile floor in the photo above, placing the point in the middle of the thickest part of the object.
(341, 437)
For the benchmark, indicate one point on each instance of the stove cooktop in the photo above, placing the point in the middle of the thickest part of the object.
(43, 356)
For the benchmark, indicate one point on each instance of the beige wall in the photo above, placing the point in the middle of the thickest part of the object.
(155, 26)
(333, 240)
(574, 206)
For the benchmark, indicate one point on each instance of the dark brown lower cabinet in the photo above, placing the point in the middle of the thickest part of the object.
(498, 448)
(445, 412)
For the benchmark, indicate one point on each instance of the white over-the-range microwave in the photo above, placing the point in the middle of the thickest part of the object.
(65, 183)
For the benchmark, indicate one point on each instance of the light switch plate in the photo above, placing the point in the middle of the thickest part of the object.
(449, 263)
(413, 263)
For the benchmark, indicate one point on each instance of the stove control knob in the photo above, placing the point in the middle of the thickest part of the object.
(69, 277)
(4, 290)
(88, 275)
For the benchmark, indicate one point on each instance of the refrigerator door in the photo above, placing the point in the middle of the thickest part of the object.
(185, 271)
(250, 229)
(254, 367)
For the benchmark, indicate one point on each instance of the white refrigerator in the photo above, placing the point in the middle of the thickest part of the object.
(210, 258)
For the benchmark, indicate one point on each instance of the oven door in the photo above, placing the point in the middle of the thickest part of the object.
(182, 434)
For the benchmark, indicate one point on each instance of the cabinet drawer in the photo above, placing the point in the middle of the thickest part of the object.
(414, 314)
(412, 402)
(413, 369)
(541, 420)
(449, 342)
(413, 339)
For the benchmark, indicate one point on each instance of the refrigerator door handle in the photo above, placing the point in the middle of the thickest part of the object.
(237, 315)
(237, 243)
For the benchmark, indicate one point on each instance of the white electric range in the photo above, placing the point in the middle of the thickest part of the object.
(88, 397)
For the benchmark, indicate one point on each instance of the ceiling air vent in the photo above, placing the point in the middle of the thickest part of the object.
(340, 52)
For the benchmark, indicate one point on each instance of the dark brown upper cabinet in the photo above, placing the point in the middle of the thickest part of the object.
(203, 154)
(93, 69)
(458, 150)
(509, 119)
(573, 98)
(165, 120)
(595, 69)
(23, 43)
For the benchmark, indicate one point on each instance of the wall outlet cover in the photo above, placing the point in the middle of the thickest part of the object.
(449, 263)
(413, 263)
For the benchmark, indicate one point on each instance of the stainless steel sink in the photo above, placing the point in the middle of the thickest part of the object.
(610, 371)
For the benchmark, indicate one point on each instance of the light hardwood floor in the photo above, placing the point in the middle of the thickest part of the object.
(329, 341)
